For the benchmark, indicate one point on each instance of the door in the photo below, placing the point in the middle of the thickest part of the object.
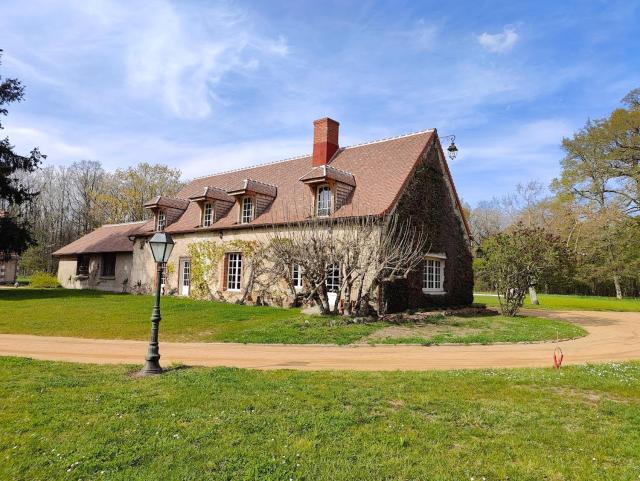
(185, 284)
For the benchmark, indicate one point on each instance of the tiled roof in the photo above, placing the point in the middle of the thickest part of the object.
(378, 172)
(108, 238)
(380, 169)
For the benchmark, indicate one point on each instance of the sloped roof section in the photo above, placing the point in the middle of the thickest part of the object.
(381, 169)
(108, 238)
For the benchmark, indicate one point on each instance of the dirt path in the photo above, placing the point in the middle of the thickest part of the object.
(613, 336)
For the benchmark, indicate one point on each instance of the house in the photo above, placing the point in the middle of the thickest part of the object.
(8, 262)
(408, 173)
(8, 268)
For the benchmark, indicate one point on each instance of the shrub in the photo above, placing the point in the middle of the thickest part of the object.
(43, 280)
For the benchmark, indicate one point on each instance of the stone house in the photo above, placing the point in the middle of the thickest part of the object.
(405, 174)
(8, 268)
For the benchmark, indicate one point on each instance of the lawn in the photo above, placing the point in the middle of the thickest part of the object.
(482, 329)
(71, 421)
(93, 314)
(572, 303)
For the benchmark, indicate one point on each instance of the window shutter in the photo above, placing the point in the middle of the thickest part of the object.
(225, 272)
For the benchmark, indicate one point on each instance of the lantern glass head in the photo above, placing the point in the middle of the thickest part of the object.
(453, 150)
(161, 246)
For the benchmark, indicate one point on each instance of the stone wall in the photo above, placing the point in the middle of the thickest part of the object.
(68, 278)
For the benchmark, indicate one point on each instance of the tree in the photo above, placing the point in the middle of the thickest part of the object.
(601, 172)
(15, 234)
(369, 252)
(127, 190)
(519, 258)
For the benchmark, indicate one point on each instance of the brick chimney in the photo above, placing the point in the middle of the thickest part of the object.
(325, 140)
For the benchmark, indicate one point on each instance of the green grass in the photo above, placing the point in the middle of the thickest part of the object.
(488, 329)
(71, 421)
(93, 314)
(574, 303)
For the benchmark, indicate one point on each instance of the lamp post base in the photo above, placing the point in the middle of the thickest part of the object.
(151, 367)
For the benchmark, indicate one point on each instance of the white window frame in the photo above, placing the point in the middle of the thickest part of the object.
(207, 214)
(163, 275)
(246, 216)
(332, 282)
(161, 220)
(433, 275)
(2, 270)
(324, 209)
(234, 271)
(186, 272)
(296, 275)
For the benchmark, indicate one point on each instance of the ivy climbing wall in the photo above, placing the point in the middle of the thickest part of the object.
(427, 202)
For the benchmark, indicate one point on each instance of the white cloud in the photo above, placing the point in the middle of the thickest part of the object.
(499, 42)
(180, 56)
(169, 53)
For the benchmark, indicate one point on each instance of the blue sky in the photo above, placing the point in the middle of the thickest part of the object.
(209, 86)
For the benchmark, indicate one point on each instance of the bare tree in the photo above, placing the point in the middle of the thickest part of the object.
(370, 252)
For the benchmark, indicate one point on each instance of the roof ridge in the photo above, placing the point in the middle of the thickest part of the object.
(386, 139)
(124, 223)
(240, 169)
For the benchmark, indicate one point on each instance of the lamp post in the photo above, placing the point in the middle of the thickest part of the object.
(161, 246)
(452, 149)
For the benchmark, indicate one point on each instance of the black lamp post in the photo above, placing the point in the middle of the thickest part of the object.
(161, 246)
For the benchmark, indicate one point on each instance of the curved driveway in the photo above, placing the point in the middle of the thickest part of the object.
(613, 336)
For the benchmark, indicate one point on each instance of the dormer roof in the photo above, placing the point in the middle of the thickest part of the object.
(253, 186)
(324, 173)
(168, 202)
(211, 193)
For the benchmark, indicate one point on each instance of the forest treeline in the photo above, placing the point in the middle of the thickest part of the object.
(73, 200)
(592, 209)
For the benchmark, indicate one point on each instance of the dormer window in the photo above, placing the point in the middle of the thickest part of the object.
(246, 215)
(161, 220)
(323, 200)
(207, 214)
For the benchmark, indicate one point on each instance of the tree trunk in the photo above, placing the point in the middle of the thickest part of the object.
(533, 295)
(616, 283)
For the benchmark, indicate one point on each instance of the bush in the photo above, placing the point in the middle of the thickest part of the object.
(43, 280)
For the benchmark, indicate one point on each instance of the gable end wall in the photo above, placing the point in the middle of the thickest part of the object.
(429, 194)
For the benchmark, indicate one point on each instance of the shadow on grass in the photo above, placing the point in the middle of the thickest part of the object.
(23, 294)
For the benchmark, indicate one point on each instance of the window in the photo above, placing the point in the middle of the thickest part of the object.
(186, 273)
(323, 200)
(247, 210)
(333, 277)
(207, 214)
(433, 276)
(2, 271)
(234, 271)
(161, 220)
(82, 266)
(108, 265)
(296, 275)
(163, 275)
